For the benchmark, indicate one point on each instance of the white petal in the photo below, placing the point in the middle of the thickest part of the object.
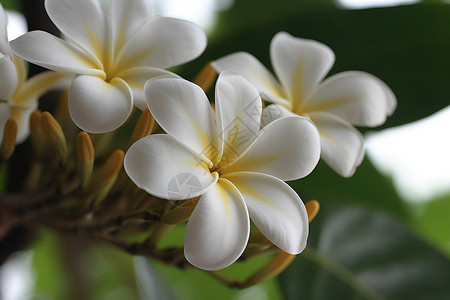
(4, 48)
(126, 18)
(182, 109)
(272, 112)
(48, 51)
(287, 148)
(8, 78)
(136, 78)
(97, 106)
(256, 73)
(5, 114)
(342, 145)
(162, 167)
(218, 230)
(163, 43)
(38, 85)
(358, 97)
(81, 21)
(238, 115)
(299, 64)
(22, 117)
(275, 208)
(389, 94)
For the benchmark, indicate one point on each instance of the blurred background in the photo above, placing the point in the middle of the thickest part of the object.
(382, 234)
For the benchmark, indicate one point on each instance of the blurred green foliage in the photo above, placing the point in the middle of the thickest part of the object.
(360, 246)
(10, 4)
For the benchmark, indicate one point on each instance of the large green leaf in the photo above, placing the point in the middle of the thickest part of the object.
(354, 253)
(406, 46)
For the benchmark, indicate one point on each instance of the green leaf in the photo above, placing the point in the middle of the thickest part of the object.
(434, 223)
(10, 4)
(52, 281)
(354, 253)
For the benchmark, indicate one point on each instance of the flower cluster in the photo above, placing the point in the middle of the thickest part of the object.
(229, 158)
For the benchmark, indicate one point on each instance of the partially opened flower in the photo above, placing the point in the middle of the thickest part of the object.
(19, 96)
(335, 104)
(236, 168)
(113, 52)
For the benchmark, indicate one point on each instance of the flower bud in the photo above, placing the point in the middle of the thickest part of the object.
(54, 134)
(102, 181)
(9, 139)
(180, 213)
(85, 152)
(206, 77)
(36, 134)
(144, 126)
(312, 208)
(272, 269)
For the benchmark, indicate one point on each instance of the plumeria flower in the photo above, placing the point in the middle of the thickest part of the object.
(334, 105)
(236, 169)
(19, 96)
(113, 52)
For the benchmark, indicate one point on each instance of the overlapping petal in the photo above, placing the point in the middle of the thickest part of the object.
(126, 18)
(299, 64)
(358, 97)
(98, 106)
(342, 145)
(182, 109)
(275, 208)
(287, 148)
(136, 78)
(163, 43)
(37, 85)
(256, 73)
(4, 48)
(218, 230)
(162, 167)
(238, 115)
(82, 22)
(8, 77)
(46, 50)
(273, 112)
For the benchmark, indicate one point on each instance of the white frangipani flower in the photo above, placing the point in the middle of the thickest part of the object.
(236, 168)
(19, 96)
(113, 52)
(334, 104)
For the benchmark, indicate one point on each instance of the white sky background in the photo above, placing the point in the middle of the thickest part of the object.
(360, 4)
(416, 156)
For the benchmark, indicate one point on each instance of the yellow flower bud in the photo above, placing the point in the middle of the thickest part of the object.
(102, 181)
(206, 77)
(312, 208)
(9, 139)
(54, 134)
(272, 269)
(144, 126)
(85, 152)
